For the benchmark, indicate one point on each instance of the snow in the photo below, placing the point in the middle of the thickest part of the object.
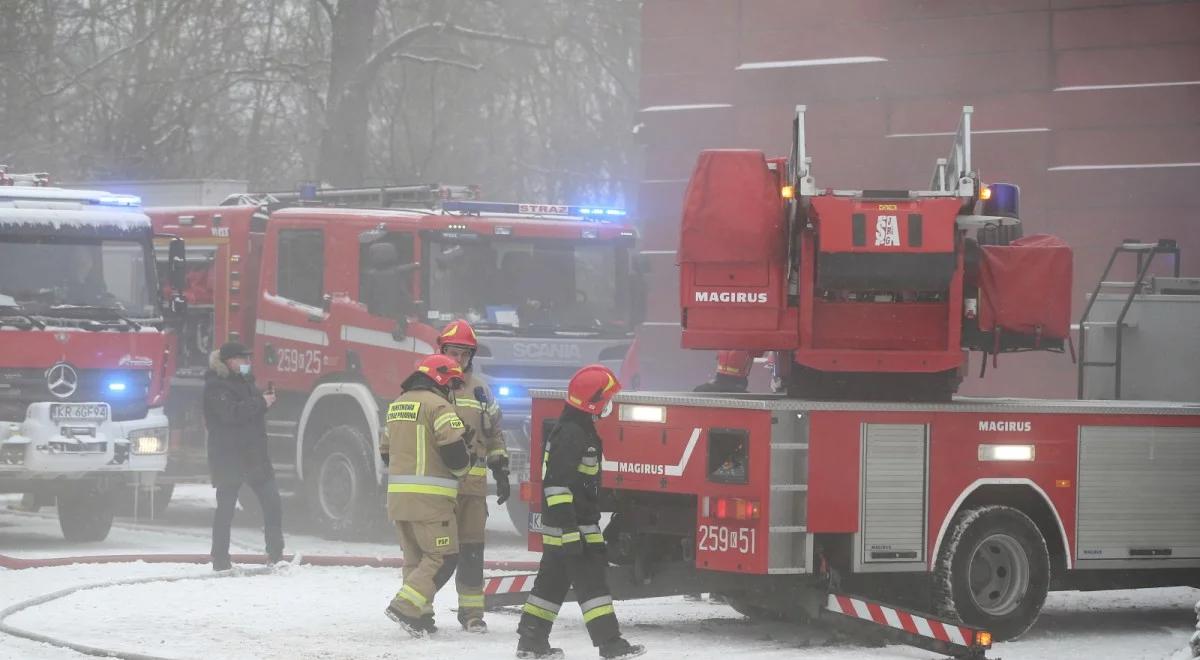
(75, 219)
(330, 612)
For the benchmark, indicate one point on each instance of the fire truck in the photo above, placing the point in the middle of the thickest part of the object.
(341, 292)
(84, 357)
(866, 483)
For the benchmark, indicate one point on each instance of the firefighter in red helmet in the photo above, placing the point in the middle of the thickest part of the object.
(573, 546)
(474, 403)
(426, 456)
(733, 373)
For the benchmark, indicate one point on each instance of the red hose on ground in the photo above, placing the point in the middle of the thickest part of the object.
(16, 563)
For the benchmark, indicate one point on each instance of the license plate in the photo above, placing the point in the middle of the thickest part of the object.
(535, 523)
(79, 412)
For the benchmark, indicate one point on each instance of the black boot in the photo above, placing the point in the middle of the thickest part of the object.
(539, 648)
(427, 621)
(414, 626)
(619, 648)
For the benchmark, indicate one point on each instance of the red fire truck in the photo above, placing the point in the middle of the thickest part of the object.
(340, 300)
(969, 508)
(84, 363)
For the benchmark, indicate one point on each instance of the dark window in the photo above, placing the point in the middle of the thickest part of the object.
(385, 275)
(728, 455)
(301, 275)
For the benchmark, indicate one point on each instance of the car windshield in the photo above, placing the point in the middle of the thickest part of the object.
(46, 276)
(531, 285)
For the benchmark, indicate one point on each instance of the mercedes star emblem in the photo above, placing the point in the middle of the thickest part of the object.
(62, 380)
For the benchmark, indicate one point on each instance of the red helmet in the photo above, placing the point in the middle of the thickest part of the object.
(592, 388)
(442, 369)
(734, 363)
(459, 333)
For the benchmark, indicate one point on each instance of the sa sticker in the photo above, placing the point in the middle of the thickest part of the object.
(442, 541)
(403, 411)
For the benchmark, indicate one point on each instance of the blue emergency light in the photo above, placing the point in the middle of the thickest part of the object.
(1005, 200)
(116, 386)
(590, 213)
(120, 200)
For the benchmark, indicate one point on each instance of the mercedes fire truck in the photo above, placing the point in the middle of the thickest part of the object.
(84, 357)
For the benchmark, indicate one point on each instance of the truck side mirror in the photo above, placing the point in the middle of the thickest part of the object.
(177, 265)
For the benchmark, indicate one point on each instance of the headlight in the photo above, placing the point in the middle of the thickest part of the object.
(149, 441)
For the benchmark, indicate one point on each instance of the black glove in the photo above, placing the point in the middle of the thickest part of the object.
(468, 435)
(574, 546)
(503, 488)
(498, 462)
(386, 459)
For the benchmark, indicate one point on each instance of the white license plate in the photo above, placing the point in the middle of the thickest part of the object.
(535, 523)
(79, 412)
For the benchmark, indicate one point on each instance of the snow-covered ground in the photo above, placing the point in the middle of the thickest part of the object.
(326, 612)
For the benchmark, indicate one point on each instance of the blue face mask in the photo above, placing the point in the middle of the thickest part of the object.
(244, 369)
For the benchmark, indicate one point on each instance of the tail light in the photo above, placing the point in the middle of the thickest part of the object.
(732, 508)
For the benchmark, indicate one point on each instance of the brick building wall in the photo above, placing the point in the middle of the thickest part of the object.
(1091, 106)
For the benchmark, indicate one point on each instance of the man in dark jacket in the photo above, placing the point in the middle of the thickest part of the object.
(235, 414)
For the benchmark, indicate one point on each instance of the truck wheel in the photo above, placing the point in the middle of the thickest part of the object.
(85, 513)
(518, 513)
(340, 485)
(993, 571)
(144, 506)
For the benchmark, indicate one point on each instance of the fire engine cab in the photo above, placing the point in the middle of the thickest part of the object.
(84, 359)
(340, 302)
(867, 483)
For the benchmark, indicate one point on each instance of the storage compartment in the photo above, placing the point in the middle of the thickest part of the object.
(1137, 489)
(1025, 294)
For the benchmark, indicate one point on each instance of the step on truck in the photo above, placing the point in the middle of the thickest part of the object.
(341, 292)
(84, 351)
(867, 491)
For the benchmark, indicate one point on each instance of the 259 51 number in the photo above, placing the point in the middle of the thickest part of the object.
(715, 538)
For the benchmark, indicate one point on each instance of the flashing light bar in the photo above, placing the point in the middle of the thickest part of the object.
(120, 200)
(595, 213)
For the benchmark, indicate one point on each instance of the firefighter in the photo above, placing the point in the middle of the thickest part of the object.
(573, 547)
(733, 373)
(427, 454)
(475, 406)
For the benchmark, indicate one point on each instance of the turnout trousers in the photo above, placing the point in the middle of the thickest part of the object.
(558, 573)
(468, 577)
(430, 554)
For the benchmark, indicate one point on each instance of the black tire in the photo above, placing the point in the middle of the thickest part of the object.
(340, 485)
(146, 504)
(993, 571)
(85, 512)
(162, 499)
(744, 604)
(518, 513)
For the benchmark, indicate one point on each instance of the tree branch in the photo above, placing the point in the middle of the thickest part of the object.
(471, 66)
(327, 6)
(400, 42)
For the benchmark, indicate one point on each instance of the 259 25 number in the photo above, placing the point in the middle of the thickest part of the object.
(296, 361)
(715, 538)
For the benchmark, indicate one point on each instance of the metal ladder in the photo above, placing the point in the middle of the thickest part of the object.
(1145, 253)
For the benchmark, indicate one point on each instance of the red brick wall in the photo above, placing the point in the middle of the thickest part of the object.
(1010, 59)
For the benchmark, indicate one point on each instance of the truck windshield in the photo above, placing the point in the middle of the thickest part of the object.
(69, 277)
(530, 286)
